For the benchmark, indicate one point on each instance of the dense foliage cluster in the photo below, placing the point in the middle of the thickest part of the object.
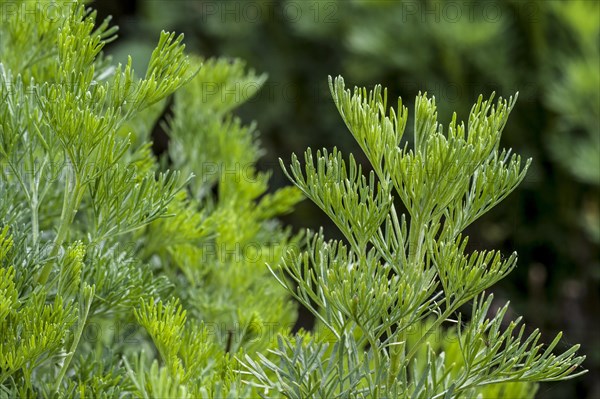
(122, 278)
(101, 242)
(548, 51)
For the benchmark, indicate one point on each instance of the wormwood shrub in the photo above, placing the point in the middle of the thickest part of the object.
(120, 278)
(390, 276)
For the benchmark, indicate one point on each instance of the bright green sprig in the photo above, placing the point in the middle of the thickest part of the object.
(395, 274)
(337, 189)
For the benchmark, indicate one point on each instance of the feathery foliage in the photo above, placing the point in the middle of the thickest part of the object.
(391, 276)
(121, 278)
(101, 245)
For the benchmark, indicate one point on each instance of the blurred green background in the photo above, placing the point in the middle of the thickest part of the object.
(548, 51)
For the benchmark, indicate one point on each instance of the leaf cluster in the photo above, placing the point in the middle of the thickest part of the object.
(391, 274)
(103, 244)
(121, 278)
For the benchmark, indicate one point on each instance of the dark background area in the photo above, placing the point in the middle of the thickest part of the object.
(546, 50)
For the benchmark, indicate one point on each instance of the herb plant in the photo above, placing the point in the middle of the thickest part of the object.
(391, 277)
(120, 278)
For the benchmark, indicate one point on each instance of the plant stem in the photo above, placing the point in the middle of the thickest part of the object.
(35, 226)
(88, 293)
(71, 200)
(416, 234)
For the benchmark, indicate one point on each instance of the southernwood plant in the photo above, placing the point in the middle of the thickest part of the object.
(382, 292)
(120, 278)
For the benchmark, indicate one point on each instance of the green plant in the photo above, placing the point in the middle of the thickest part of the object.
(454, 50)
(120, 278)
(389, 275)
